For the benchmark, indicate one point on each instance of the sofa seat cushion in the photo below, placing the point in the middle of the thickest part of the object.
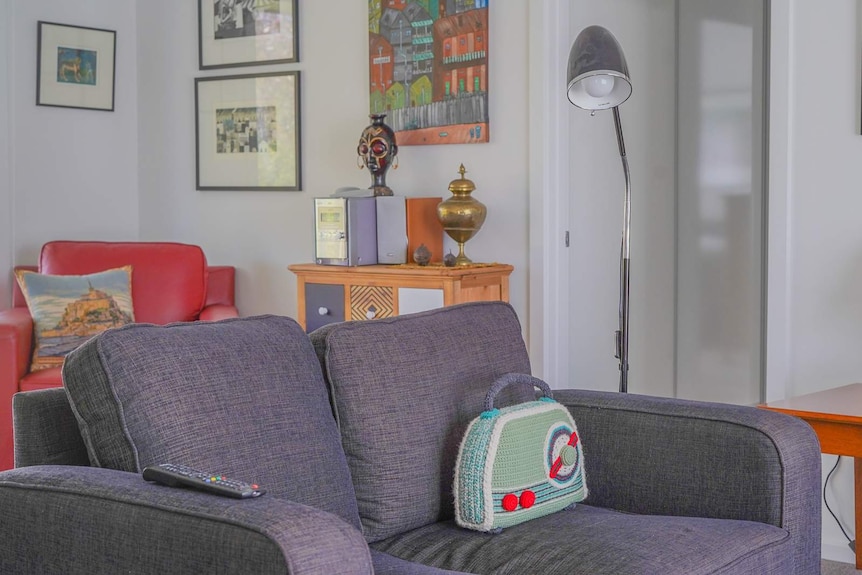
(245, 397)
(594, 541)
(405, 389)
(386, 564)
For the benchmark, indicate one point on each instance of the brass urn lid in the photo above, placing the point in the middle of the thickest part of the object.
(461, 185)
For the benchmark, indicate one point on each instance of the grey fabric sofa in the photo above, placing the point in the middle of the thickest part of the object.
(354, 431)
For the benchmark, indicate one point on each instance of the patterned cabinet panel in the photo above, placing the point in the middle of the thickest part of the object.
(371, 302)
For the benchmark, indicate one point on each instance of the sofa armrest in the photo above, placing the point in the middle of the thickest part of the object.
(46, 431)
(81, 520)
(221, 285)
(221, 296)
(16, 340)
(218, 311)
(664, 456)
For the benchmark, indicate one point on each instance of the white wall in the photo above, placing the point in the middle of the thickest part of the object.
(826, 248)
(263, 232)
(73, 172)
(825, 236)
(6, 245)
(647, 32)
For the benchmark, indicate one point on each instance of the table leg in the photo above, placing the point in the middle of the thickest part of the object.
(857, 481)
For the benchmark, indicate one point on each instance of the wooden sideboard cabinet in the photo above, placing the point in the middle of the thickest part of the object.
(327, 294)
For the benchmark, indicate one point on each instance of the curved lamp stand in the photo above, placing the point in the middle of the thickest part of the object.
(598, 79)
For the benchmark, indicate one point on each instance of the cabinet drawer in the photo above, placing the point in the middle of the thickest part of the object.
(324, 304)
(371, 302)
(414, 300)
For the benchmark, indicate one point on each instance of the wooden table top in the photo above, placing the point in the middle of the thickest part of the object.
(837, 404)
(438, 270)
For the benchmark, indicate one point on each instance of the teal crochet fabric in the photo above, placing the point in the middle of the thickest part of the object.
(475, 453)
(516, 464)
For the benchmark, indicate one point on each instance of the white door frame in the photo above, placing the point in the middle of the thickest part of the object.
(549, 39)
(549, 180)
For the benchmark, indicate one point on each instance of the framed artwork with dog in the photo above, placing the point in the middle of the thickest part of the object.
(247, 132)
(75, 67)
(247, 33)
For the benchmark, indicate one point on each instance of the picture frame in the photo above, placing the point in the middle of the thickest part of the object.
(247, 33)
(428, 70)
(247, 132)
(75, 66)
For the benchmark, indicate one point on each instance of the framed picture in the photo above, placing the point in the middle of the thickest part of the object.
(75, 67)
(247, 132)
(428, 69)
(247, 33)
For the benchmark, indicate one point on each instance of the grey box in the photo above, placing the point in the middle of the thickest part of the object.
(345, 231)
(391, 230)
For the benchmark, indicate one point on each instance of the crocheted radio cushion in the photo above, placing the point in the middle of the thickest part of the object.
(516, 464)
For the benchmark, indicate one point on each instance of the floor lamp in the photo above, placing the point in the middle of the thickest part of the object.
(598, 79)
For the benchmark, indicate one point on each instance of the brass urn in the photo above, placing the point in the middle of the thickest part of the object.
(461, 215)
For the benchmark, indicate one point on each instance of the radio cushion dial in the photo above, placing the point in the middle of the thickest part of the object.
(510, 502)
(569, 455)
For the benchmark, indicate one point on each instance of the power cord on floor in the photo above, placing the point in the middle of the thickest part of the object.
(825, 502)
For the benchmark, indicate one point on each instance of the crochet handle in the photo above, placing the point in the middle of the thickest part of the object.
(510, 378)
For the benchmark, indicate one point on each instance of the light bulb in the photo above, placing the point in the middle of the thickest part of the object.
(599, 86)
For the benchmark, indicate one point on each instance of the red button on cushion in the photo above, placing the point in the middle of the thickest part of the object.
(510, 502)
(527, 499)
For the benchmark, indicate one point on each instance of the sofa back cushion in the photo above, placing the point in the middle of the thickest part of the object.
(405, 390)
(245, 397)
(169, 281)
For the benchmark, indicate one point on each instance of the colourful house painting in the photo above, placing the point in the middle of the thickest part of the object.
(428, 69)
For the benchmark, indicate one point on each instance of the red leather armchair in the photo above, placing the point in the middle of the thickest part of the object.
(170, 282)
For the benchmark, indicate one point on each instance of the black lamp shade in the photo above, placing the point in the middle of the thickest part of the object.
(598, 76)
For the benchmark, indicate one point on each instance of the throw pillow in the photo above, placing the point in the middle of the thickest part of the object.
(519, 462)
(69, 310)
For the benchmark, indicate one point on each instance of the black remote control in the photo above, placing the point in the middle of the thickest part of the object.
(175, 475)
